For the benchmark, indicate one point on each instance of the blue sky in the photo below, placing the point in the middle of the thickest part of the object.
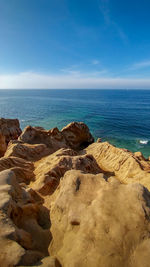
(74, 44)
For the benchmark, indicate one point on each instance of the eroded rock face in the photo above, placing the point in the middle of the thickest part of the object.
(24, 223)
(50, 169)
(64, 206)
(53, 139)
(77, 135)
(127, 166)
(27, 151)
(9, 130)
(3, 145)
(23, 169)
(100, 223)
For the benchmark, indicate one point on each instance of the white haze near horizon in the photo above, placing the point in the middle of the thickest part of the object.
(33, 80)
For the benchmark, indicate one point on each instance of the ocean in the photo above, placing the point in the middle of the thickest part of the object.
(121, 117)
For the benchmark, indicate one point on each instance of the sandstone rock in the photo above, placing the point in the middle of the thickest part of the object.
(127, 167)
(139, 155)
(27, 151)
(100, 223)
(3, 145)
(143, 161)
(49, 262)
(9, 130)
(77, 135)
(50, 169)
(22, 168)
(89, 199)
(53, 139)
(24, 234)
(10, 251)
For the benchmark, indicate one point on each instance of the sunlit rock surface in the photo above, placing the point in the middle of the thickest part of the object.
(75, 135)
(27, 151)
(66, 201)
(24, 223)
(99, 223)
(50, 169)
(127, 166)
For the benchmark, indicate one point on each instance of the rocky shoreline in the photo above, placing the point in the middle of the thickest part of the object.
(67, 201)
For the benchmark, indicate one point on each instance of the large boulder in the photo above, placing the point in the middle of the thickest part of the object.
(127, 166)
(100, 223)
(77, 135)
(9, 130)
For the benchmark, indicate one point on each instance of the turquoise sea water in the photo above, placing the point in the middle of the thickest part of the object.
(121, 117)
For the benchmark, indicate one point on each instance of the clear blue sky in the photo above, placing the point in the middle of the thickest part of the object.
(74, 44)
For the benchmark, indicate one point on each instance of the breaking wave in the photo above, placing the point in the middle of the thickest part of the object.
(143, 142)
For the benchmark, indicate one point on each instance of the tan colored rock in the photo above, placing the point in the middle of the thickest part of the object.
(24, 224)
(49, 262)
(125, 165)
(144, 162)
(50, 169)
(100, 224)
(27, 151)
(22, 168)
(53, 139)
(9, 130)
(10, 251)
(139, 155)
(99, 140)
(77, 135)
(98, 215)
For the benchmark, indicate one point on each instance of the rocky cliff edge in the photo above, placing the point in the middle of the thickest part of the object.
(67, 201)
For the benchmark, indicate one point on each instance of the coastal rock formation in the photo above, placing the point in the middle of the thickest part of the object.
(67, 202)
(128, 167)
(27, 151)
(9, 130)
(22, 168)
(3, 145)
(50, 169)
(53, 138)
(100, 223)
(24, 224)
(75, 135)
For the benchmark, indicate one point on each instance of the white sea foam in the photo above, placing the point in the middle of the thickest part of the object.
(143, 142)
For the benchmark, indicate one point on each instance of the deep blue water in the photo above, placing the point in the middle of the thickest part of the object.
(121, 117)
